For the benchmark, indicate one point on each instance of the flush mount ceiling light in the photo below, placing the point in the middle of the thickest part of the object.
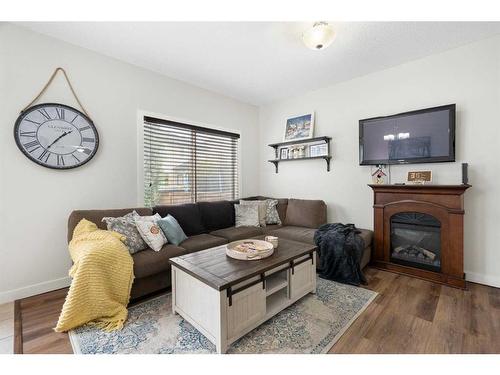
(319, 36)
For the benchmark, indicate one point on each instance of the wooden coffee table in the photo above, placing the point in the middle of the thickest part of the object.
(225, 298)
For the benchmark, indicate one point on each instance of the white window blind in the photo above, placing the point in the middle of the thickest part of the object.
(185, 163)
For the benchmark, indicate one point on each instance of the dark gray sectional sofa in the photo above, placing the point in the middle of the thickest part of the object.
(210, 224)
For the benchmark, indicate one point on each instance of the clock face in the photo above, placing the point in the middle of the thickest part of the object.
(56, 136)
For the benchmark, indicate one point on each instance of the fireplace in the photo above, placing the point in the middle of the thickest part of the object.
(416, 240)
(418, 231)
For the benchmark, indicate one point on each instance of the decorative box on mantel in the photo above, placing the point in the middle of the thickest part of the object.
(419, 231)
(307, 143)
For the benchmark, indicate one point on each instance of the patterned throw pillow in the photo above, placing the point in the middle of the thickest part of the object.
(151, 233)
(126, 225)
(246, 215)
(272, 216)
(261, 205)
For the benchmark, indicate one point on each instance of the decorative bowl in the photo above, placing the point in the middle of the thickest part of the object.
(249, 249)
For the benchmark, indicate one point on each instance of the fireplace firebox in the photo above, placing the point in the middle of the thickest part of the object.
(418, 231)
(416, 240)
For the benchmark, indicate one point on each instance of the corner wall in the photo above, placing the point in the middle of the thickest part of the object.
(468, 76)
(34, 201)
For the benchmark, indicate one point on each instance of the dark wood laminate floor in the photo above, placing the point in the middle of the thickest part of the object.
(408, 316)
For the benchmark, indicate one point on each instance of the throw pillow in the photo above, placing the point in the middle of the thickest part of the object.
(246, 215)
(154, 217)
(126, 225)
(172, 230)
(151, 233)
(272, 216)
(261, 205)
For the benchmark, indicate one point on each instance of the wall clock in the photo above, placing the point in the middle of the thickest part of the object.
(56, 136)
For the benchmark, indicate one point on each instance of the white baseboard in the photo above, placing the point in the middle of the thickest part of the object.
(31, 290)
(483, 279)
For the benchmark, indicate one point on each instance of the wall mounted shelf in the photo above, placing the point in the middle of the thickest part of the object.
(312, 141)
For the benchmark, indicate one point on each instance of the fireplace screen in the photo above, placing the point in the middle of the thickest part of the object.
(416, 240)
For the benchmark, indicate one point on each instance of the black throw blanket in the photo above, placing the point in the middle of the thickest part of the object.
(340, 249)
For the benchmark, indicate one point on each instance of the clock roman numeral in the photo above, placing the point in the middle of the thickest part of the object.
(60, 113)
(45, 114)
(88, 140)
(87, 151)
(28, 134)
(74, 118)
(33, 122)
(45, 154)
(77, 160)
(60, 160)
(84, 128)
(31, 144)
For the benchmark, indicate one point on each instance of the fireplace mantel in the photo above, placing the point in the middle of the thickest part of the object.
(445, 203)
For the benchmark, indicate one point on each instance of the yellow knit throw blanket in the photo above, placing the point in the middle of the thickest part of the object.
(102, 278)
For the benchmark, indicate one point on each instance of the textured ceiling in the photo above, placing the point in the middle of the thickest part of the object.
(258, 62)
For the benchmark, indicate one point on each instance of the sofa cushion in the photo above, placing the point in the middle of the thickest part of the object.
(305, 213)
(202, 242)
(95, 216)
(300, 234)
(269, 228)
(217, 215)
(240, 233)
(149, 262)
(187, 215)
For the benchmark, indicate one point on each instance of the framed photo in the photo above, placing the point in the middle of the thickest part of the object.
(318, 150)
(299, 127)
(284, 153)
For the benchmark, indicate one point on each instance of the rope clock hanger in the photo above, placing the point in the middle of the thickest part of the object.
(56, 135)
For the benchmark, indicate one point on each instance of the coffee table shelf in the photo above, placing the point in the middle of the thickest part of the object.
(276, 282)
(277, 302)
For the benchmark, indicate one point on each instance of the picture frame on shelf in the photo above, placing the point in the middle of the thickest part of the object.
(318, 150)
(299, 127)
(284, 153)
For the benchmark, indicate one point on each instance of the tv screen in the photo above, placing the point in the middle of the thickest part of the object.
(422, 136)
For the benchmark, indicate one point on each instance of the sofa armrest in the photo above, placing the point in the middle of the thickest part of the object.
(96, 216)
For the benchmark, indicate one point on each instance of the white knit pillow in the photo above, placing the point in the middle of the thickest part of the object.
(151, 232)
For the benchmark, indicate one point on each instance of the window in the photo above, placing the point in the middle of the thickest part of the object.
(186, 163)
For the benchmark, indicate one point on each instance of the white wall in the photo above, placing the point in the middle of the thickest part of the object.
(468, 76)
(34, 201)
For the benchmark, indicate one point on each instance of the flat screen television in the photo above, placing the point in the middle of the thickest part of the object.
(423, 136)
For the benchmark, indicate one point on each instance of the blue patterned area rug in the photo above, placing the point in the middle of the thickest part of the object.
(311, 325)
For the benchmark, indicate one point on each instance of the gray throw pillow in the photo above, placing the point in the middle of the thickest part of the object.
(261, 205)
(246, 215)
(126, 225)
(272, 216)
